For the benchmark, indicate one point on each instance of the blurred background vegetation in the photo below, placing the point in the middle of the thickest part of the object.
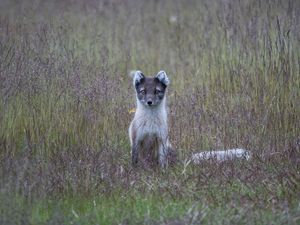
(65, 101)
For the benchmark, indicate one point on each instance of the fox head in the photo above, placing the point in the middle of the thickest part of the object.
(150, 91)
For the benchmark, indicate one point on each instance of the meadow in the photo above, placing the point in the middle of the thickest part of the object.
(66, 102)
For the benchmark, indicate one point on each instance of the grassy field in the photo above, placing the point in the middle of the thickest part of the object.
(65, 102)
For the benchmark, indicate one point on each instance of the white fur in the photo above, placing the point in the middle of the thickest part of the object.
(221, 155)
(152, 121)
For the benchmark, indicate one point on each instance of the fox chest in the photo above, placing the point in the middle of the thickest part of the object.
(151, 128)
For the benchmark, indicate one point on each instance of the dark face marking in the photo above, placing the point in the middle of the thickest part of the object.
(150, 91)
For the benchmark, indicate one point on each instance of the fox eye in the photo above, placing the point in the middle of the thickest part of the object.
(157, 91)
(142, 92)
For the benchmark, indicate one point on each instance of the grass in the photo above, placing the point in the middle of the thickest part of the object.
(146, 210)
(65, 101)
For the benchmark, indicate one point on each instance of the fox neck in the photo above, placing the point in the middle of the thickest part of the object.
(155, 111)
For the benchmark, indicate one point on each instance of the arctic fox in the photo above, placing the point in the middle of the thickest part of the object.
(148, 131)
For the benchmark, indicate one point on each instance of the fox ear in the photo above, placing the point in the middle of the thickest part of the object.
(163, 78)
(137, 76)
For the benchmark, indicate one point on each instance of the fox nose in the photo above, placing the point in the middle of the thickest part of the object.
(149, 102)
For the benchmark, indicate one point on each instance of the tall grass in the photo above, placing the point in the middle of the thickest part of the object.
(65, 99)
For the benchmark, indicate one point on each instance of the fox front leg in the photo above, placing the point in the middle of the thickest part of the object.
(163, 155)
(134, 155)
